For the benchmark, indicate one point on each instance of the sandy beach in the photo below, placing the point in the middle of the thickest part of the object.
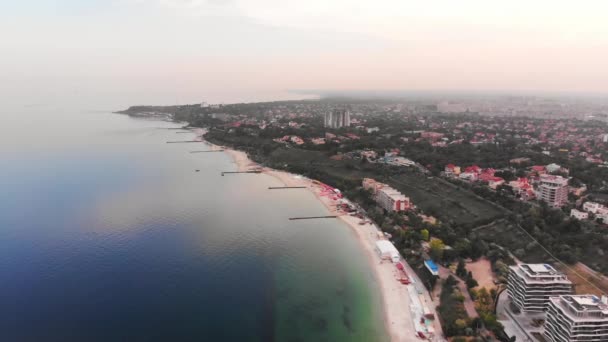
(396, 297)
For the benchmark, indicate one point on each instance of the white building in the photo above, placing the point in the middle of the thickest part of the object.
(401, 161)
(530, 285)
(603, 217)
(469, 176)
(580, 215)
(337, 118)
(392, 200)
(553, 190)
(551, 168)
(388, 198)
(577, 318)
(594, 208)
(600, 211)
(386, 250)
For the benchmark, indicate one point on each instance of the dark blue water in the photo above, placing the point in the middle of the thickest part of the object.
(108, 234)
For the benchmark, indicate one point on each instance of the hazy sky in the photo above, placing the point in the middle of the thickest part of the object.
(163, 51)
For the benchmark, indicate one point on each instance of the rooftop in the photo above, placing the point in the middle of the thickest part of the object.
(583, 306)
(431, 265)
(540, 273)
(554, 179)
(539, 269)
(386, 247)
(393, 193)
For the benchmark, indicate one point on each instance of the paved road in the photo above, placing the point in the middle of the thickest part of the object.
(511, 327)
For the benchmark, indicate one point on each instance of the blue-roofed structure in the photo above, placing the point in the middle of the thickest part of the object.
(432, 267)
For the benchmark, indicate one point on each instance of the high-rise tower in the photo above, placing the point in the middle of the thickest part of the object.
(337, 118)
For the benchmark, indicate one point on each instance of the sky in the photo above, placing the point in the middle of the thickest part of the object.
(120, 52)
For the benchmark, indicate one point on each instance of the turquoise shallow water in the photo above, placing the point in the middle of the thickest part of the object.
(108, 234)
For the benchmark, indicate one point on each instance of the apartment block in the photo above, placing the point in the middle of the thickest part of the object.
(577, 318)
(337, 118)
(553, 190)
(388, 198)
(392, 200)
(531, 285)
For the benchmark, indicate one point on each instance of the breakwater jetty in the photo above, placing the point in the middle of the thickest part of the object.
(312, 217)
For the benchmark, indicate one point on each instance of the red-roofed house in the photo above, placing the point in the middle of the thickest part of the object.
(495, 182)
(486, 175)
(452, 170)
(431, 135)
(539, 169)
(473, 169)
(523, 189)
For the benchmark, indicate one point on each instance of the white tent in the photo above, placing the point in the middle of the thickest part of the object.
(386, 249)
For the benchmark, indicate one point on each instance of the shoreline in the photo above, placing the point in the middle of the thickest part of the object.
(397, 322)
(396, 301)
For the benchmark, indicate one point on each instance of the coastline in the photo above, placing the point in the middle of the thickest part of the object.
(395, 298)
(396, 301)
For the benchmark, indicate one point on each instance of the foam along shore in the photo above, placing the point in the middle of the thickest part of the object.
(400, 302)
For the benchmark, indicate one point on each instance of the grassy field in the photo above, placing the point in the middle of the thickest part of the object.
(446, 201)
(433, 195)
(510, 237)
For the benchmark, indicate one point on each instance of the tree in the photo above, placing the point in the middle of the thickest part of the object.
(463, 248)
(501, 268)
(485, 302)
(471, 282)
(437, 247)
(493, 293)
(460, 324)
(425, 234)
(506, 174)
(491, 322)
(461, 270)
(478, 248)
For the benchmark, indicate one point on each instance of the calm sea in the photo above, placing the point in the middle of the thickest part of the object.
(107, 233)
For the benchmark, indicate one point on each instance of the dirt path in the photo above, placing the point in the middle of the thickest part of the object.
(482, 273)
